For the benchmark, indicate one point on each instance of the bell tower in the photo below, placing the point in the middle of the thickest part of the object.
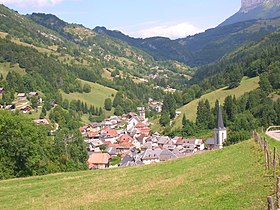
(220, 131)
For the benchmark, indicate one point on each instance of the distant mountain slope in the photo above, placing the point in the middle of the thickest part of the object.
(255, 9)
(203, 48)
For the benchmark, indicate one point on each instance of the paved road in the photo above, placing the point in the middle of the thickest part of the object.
(274, 134)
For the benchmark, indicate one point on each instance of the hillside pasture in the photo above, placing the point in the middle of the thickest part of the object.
(232, 178)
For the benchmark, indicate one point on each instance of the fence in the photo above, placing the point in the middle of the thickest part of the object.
(270, 163)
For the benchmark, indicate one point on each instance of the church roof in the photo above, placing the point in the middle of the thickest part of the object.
(220, 122)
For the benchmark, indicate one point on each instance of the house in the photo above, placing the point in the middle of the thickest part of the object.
(125, 139)
(146, 131)
(122, 148)
(21, 96)
(94, 127)
(83, 130)
(41, 121)
(92, 135)
(133, 122)
(111, 135)
(164, 140)
(26, 109)
(166, 155)
(210, 143)
(131, 159)
(111, 151)
(98, 161)
(33, 94)
(151, 156)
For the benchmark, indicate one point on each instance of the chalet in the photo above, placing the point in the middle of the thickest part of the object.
(98, 161)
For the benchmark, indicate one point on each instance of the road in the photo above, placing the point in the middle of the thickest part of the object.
(274, 134)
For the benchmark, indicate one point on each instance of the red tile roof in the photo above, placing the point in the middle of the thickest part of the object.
(92, 134)
(112, 133)
(140, 125)
(125, 138)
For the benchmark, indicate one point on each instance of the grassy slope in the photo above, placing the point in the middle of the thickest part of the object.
(5, 68)
(96, 97)
(246, 85)
(232, 178)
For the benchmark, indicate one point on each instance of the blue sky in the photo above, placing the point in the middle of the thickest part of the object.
(138, 18)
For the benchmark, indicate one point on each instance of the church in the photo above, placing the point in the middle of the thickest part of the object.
(220, 133)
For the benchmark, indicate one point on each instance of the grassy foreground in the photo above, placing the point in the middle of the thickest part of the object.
(233, 178)
(190, 109)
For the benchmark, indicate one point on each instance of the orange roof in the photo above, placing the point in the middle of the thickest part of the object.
(98, 158)
(112, 133)
(106, 128)
(179, 140)
(145, 130)
(83, 128)
(125, 138)
(140, 125)
(92, 134)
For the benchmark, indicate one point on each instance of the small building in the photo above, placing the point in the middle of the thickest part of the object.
(98, 161)
(33, 94)
(21, 96)
(41, 121)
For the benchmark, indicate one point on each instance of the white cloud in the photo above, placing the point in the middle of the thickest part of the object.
(33, 3)
(172, 31)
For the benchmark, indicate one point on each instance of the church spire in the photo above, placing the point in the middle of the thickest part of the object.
(219, 122)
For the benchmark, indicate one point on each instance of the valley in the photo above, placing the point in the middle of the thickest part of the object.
(94, 118)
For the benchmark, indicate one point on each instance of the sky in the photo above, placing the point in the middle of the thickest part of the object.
(136, 18)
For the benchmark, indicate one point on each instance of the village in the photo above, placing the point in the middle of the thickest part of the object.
(129, 138)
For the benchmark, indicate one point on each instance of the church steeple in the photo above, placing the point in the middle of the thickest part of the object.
(220, 131)
(219, 122)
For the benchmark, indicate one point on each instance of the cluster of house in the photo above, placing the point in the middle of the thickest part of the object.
(21, 103)
(155, 105)
(129, 137)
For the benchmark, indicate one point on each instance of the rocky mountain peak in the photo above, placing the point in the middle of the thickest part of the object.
(247, 5)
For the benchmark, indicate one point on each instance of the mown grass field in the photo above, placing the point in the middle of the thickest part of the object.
(5, 68)
(96, 97)
(190, 109)
(232, 178)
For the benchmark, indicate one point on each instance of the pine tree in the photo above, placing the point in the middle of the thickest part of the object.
(184, 120)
